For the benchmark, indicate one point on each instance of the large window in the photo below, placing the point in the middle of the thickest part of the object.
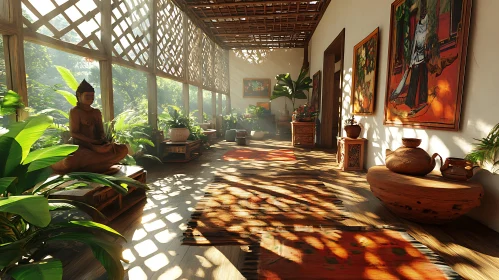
(207, 109)
(169, 93)
(193, 102)
(130, 90)
(3, 69)
(44, 80)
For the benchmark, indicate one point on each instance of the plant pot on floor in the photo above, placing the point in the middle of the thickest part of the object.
(352, 130)
(179, 134)
(257, 135)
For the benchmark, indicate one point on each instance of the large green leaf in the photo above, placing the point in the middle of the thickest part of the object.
(28, 180)
(33, 208)
(65, 204)
(52, 110)
(11, 253)
(108, 253)
(47, 156)
(28, 132)
(71, 98)
(5, 182)
(68, 77)
(10, 155)
(9, 103)
(44, 270)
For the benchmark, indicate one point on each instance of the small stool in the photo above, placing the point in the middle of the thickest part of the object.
(242, 141)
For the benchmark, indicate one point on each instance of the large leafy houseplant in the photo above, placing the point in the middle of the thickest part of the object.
(485, 150)
(290, 89)
(26, 228)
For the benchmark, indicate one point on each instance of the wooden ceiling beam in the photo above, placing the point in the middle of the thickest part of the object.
(255, 24)
(258, 33)
(269, 16)
(246, 3)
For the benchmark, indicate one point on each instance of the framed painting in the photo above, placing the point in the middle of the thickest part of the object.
(365, 69)
(265, 105)
(316, 90)
(426, 63)
(256, 88)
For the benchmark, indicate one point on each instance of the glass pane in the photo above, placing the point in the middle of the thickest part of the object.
(193, 102)
(43, 79)
(3, 80)
(169, 93)
(207, 112)
(130, 90)
(225, 105)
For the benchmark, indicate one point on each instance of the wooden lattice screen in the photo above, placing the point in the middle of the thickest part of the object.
(194, 53)
(78, 23)
(170, 39)
(131, 36)
(207, 60)
(75, 22)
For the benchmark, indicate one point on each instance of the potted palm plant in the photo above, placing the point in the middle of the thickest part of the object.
(290, 89)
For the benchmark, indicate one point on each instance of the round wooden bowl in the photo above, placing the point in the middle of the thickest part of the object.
(411, 142)
(431, 199)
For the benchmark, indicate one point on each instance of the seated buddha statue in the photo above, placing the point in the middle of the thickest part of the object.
(95, 153)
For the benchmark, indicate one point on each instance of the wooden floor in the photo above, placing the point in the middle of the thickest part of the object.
(154, 229)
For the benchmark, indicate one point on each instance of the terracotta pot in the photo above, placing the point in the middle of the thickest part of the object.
(179, 134)
(410, 160)
(352, 130)
(457, 169)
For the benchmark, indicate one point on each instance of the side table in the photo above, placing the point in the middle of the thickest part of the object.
(350, 155)
(303, 134)
(180, 151)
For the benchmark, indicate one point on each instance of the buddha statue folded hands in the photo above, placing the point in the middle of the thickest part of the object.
(95, 153)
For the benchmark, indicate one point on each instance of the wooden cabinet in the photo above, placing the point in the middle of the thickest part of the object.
(350, 155)
(303, 134)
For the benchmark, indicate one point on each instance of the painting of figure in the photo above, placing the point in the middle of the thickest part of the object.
(426, 63)
(256, 88)
(365, 64)
(316, 90)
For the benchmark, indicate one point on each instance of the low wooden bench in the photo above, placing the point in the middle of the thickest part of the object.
(106, 199)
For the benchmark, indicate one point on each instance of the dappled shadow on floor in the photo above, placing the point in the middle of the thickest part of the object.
(154, 230)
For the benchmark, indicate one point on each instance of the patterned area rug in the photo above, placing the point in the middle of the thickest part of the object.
(346, 253)
(236, 207)
(263, 155)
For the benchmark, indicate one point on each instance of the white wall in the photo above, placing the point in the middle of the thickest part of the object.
(481, 96)
(262, 64)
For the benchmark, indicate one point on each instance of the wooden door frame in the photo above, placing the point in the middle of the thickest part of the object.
(327, 139)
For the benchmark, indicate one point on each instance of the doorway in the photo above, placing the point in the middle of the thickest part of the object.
(332, 92)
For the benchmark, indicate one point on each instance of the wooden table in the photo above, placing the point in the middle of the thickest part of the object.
(106, 199)
(430, 199)
(180, 151)
(351, 153)
(303, 134)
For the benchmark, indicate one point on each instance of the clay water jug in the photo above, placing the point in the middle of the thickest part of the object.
(410, 159)
(457, 169)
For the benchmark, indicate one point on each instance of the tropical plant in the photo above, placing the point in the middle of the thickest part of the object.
(174, 118)
(9, 103)
(25, 221)
(305, 111)
(485, 150)
(292, 89)
(132, 129)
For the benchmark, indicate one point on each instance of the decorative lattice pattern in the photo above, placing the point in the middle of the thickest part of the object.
(194, 52)
(170, 39)
(131, 30)
(225, 72)
(218, 67)
(75, 22)
(207, 60)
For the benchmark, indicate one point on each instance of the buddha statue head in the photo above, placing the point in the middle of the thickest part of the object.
(85, 93)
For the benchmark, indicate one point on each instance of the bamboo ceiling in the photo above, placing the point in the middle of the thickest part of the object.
(239, 24)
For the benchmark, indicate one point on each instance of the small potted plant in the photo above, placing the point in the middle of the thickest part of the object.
(178, 125)
(305, 113)
(352, 128)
